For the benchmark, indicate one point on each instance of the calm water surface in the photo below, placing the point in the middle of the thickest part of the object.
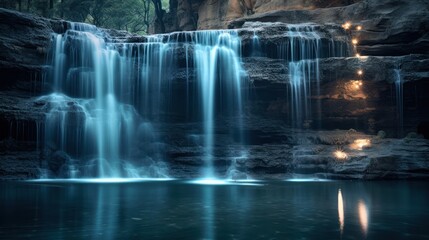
(179, 210)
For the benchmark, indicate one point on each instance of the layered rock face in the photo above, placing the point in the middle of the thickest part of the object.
(384, 22)
(302, 84)
(188, 15)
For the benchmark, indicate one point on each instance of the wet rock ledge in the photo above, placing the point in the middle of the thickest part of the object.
(274, 150)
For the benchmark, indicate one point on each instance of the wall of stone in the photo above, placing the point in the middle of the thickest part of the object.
(394, 36)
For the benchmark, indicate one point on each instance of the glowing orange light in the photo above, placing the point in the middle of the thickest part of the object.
(359, 28)
(340, 210)
(360, 72)
(360, 144)
(340, 155)
(355, 41)
(357, 55)
(347, 25)
(363, 216)
(354, 85)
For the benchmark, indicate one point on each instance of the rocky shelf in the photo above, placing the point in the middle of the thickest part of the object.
(392, 40)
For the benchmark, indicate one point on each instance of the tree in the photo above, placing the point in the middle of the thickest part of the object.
(131, 15)
(75, 10)
(159, 14)
(146, 14)
(40, 7)
(8, 4)
(124, 15)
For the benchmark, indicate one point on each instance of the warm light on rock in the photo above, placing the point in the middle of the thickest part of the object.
(355, 41)
(360, 72)
(359, 28)
(340, 155)
(347, 25)
(354, 85)
(360, 144)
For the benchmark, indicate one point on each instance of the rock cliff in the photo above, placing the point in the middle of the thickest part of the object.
(217, 14)
(393, 43)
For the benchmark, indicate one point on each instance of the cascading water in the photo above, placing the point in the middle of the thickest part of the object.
(110, 99)
(256, 46)
(399, 102)
(219, 75)
(302, 51)
(91, 115)
(106, 96)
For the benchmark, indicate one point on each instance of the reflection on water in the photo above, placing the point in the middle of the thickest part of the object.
(340, 211)
(363, 216)
(105, 214)
(209, 213)
(179, 210)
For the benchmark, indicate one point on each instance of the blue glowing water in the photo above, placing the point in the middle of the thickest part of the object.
(399, 102)
(109, 99)
(217, 60)
(303, 52)
(107, 95)
(179, 210)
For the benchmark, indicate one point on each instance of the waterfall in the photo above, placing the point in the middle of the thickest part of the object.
(112, 102)
(219, 77)
(399, 101)
(303, 51)
(256, 46)
(85, 68)
(92, 115)
(108, 98)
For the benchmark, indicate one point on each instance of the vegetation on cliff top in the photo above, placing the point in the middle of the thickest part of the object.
(130, 15)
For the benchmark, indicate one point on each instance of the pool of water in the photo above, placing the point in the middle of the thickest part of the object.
(186, 210)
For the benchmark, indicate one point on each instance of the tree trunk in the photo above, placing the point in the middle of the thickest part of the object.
(62, 9)
(146, 14)
(159, 14)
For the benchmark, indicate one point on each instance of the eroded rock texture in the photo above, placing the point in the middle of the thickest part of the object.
(394, 40)
(390, 27)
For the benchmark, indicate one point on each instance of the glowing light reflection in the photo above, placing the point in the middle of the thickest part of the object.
(340, 210)
(307, 180)
(209, 182)
(245, 180)
(214, 181)
(102, 180)
(363, 216)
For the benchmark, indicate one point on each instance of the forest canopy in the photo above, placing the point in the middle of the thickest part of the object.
(131, 15)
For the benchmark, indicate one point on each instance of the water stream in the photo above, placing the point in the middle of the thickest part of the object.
(103, 91)
(303, 52)
(399, 102)
(108, 100)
